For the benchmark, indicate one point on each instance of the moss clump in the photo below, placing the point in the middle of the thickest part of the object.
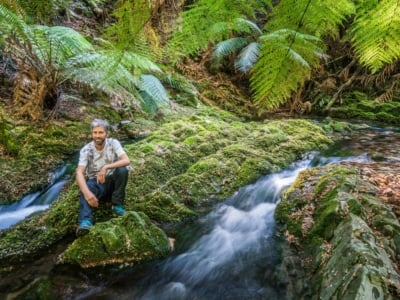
(131, 238)
(386, 112)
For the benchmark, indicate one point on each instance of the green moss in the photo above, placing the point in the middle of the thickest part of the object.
(131, 238)
(326, 218)
(356, 207)
(39, 290)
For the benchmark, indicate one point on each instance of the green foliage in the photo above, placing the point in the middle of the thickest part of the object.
(38, 11)
(121, 74)
(129, 30)
(210, 21)
(375, 33)
(285, 62)
(244, 47)
(61, 53)
(319, 18)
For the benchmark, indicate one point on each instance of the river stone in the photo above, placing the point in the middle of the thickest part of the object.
(129, 239)
(358, 267)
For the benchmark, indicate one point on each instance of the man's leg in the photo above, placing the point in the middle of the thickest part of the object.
(85, 210)
(120, 180)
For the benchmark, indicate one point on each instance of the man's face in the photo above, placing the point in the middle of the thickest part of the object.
(99, 135)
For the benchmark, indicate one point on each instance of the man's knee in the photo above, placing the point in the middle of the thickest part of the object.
(122, 171)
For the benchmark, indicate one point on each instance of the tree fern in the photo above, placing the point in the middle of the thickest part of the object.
(376, 33)
(285, 61)
(211, 21)
(50, 55)
(293, 47)
(319, 18)
(121, 74)
(244, 48)
(129, 30)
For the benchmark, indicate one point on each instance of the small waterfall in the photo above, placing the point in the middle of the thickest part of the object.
(232, 259)
(35, 202)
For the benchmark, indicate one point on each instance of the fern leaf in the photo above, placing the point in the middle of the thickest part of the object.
(212, 21)
(247, 57)
(153, 87)
(375, 34)
(230, 46)
(319, 18)
(285, 62)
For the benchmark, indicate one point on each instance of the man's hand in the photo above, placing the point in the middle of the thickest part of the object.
(101, 176)
(92, 200)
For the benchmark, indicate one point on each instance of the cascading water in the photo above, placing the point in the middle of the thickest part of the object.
(35, 202)
(231, 260)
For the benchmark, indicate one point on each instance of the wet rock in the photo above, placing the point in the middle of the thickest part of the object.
(358, 257)
(132, 238)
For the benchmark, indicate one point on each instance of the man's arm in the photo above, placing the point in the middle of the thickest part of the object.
(81, 181)
(123, 160)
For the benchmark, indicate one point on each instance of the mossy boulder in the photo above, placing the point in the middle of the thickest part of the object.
(336, 220)
(132, 238)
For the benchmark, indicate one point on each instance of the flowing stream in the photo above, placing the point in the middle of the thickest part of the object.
(35, 202)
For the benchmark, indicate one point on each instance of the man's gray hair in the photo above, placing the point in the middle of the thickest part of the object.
(99, 123)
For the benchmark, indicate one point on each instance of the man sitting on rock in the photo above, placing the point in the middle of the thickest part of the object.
(101, 174)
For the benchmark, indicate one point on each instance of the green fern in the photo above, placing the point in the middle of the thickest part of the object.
(60, 54)
(38, 11)
(285, 62)
(376, 33)
(244, 48)
(248, 57)
(318, 18)
(153, 94)
(128, 33)
(212, 21)
(121, 74)
(288, 54)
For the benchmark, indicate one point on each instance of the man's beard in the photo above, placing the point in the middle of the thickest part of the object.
(99, 142)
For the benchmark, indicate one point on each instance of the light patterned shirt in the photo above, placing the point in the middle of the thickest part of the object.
(94, 160)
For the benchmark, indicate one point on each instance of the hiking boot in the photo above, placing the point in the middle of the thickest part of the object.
(118, 210)
(83, 227)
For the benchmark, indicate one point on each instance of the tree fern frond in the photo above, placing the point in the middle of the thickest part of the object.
(56, 44)
(319, 18)
(229, 46)
(13, 6)
(375, 34)
(247, 57)
(285, 62)
(178, 82)
(243, 25)
(11, 24)
(131, 18)
(153, 87)
(211, 21)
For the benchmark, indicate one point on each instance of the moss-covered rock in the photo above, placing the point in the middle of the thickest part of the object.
(345, 235)
(131, 238)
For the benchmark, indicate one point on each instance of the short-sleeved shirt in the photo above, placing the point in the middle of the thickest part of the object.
(94, 160)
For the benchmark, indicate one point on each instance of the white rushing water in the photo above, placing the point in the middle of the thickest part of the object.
(224, 262)
(32, 203)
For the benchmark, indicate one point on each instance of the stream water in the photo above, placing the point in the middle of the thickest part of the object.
(35, 202)
(232, 252)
